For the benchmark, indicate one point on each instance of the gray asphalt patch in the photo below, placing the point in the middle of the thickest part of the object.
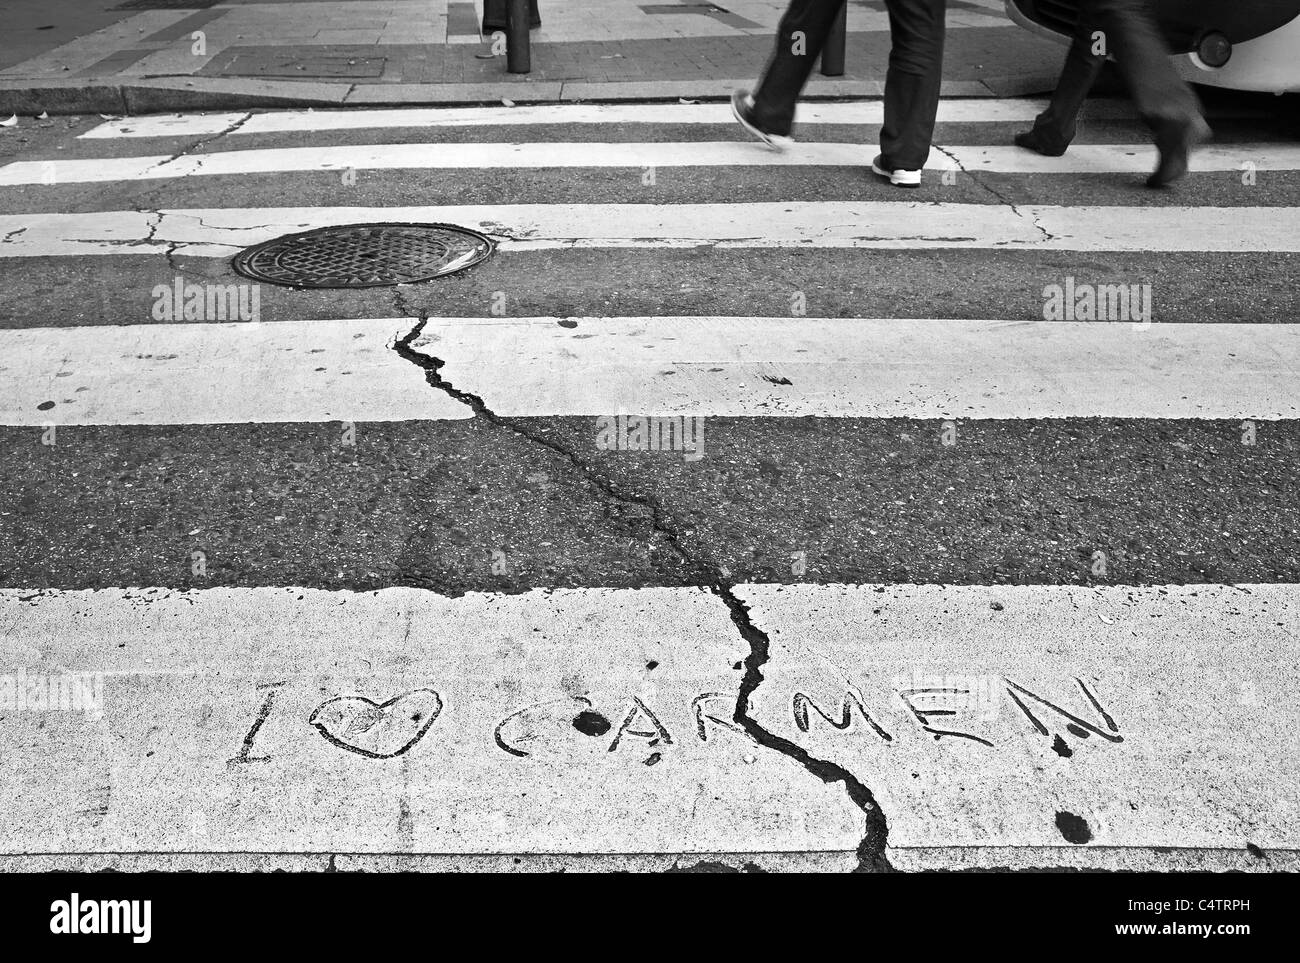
(1194, 287)
(472, 506)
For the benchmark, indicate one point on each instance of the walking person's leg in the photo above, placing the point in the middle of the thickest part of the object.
(769, 113)
(911, 88)
(1164, 102)
(1054, 128)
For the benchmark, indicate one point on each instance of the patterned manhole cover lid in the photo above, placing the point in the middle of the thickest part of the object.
(364, 255)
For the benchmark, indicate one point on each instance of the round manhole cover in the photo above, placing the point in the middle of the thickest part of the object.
(364, 255)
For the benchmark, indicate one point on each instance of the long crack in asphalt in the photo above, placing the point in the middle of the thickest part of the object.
(871, 850)
(154, 225)
(1002, 198)
(202, 142)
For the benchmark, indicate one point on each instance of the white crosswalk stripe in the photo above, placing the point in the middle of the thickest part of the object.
(880, 225)
(288, 649)
(195, 374)
(319, 121)
(1086, 159)
(492, 752)
(182, 374)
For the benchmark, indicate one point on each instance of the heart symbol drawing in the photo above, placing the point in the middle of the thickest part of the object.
(379, 730)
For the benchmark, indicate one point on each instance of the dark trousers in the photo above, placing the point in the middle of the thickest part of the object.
(911, 83)
(494, 15)
(1131, 36)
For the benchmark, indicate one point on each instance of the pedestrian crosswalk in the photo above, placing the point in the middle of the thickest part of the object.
(1090, 158)
(357, 575)
(220, 232)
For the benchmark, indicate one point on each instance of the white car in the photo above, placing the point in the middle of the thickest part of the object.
(1240, 45)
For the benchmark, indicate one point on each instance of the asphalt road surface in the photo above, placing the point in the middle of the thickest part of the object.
(922, 574)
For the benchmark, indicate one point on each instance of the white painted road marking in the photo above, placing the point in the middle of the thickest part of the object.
(307, 121)
(397, 721)
(881, 225)
(883, 368)
(1113, 159)
(345, 370)
(198, 373)
(1087, 159)
(1134, 717)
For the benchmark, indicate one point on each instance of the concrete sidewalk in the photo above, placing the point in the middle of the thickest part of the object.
(136, 56)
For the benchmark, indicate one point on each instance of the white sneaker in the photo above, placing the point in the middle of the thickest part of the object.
(899, 177)
(742, 108)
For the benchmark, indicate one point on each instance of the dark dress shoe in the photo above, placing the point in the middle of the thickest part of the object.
(1175, 140)
(1041, 142)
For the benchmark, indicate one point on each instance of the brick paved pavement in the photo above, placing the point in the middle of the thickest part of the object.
(370, 51)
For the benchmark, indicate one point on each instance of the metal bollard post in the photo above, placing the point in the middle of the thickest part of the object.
(833, 51)
(518, 54)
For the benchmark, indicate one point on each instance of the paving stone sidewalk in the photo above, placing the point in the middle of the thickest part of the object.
(138, 55)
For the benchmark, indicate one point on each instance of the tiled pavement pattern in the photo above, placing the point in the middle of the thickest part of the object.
(438, 42)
